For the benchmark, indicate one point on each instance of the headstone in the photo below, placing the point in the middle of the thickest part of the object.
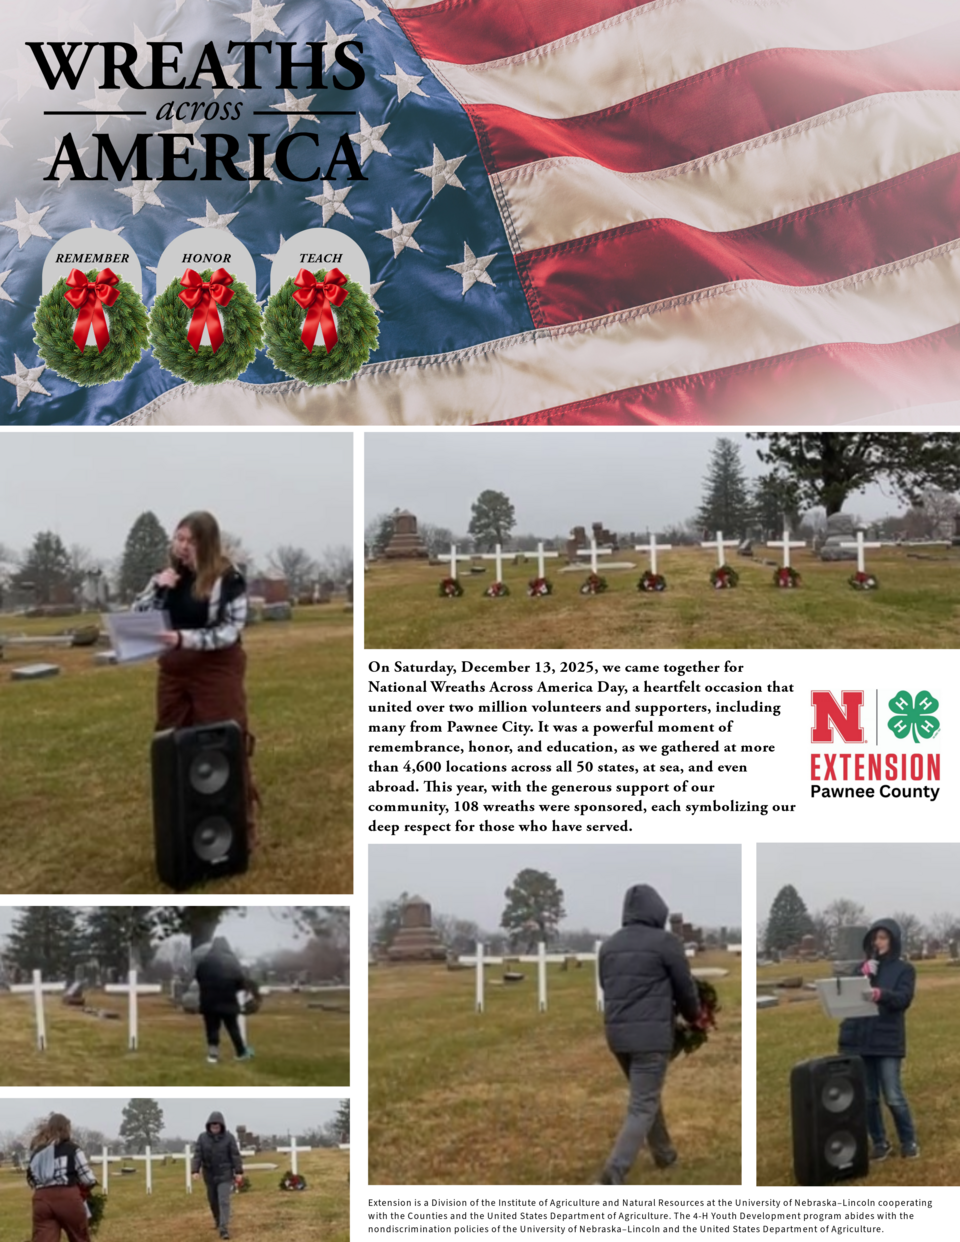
(841, 529)
(34, 672)
(190, 1002)
(417, 940)
(103, 658)
(278, 612)
(848, 949)
(74, 995)
(276, 591)
(405, 543)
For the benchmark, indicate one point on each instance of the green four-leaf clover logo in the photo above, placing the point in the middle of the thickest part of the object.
(914, 716)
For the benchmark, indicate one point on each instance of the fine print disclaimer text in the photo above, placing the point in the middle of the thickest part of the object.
(565, 746)
(490, 1215)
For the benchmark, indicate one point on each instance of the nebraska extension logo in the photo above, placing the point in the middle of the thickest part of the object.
(907, 774)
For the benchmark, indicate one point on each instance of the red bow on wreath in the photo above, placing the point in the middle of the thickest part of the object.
(317, 299)
(200, 296)
(89, 297)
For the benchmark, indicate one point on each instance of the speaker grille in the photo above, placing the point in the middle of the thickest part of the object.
(837, 1095)
(212, 839)
(209, 772)
(840, 1149)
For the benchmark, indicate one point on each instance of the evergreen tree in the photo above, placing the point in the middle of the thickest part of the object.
(45, 938)
(147, 549)
(492, 520)
(788, 920)
(774, 503)
(119, 937)
(342, 1121)
(142, 1124)
(534, 908)
(726, 503)
(46, 565)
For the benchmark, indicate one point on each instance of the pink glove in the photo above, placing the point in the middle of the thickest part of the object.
(875, 995)
(869, 969)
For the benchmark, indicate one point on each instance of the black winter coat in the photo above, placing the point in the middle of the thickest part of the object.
(220, 977)
(645, 977)
(886, 1034)
(217, 1156)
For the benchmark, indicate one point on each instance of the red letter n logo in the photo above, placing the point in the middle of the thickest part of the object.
(828, 713)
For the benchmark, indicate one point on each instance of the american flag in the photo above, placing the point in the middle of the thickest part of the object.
(680, 211)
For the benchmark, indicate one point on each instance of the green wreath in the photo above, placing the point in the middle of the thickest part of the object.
(242, 335)
(358, 333)
(56, 319)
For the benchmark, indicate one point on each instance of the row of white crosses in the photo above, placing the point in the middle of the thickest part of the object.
(541, 960)
(104, 1160)
(453, 557)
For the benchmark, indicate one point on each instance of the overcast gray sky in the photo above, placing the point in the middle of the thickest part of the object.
(556, 479)
(468, 879)
(267, 488)
(185, 1117)
(918, 879)
(261, 929)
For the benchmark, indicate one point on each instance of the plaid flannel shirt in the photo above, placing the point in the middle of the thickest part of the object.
(225, 621)
(61, 1172)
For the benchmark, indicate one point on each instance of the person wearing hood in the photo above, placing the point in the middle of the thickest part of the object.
(881, 1042)
(217, 1157)
(646, 982)
(220, 977)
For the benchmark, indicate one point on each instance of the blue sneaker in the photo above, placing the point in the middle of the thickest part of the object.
(246, 1056)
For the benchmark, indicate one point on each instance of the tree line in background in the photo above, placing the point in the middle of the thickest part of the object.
(789, 921)
(533, 911)
(811, 476)
(59, 940)
(49, 564)
(141, 1126)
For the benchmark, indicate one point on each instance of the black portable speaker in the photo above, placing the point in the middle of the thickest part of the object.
(199, 803)
(828, 1106)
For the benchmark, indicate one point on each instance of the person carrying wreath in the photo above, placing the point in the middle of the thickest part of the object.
(217, 1159)
(61, 1178)
(201, 675)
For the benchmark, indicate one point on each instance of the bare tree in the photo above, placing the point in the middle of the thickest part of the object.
(238, 552)
(912, 931)
(843, 912)
(295, 564)
(943, 925)
(337, 563)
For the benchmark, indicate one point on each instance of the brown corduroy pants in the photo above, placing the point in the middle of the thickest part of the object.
(56, 1208)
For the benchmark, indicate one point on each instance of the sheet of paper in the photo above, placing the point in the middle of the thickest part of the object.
(136, 635)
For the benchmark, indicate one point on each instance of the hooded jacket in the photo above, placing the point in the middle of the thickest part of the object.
(217, 1156)
(645, 977)
(886, 1034)
(219, 977)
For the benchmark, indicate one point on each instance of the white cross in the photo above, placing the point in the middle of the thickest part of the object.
(720, 543)
(541, 555)
(106, 1160)
(452, 557)
(653, 547)
(38, 987)
(185, 1157)
(495, 555)
(593, 552)
(860, 545)
(148, 1157)
(133, 990)
(786, 544)
(542, 976)
(596, 955)
(293, 1149)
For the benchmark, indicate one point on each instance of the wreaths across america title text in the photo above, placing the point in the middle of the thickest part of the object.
(64, 61)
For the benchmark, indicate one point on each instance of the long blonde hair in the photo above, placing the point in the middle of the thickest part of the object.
(56, 1129)
(211, 561)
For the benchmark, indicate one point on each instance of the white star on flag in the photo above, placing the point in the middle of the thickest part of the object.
(144, 53)
(182, 129)
(370, 12)
(472, 269)
(4, 142)
(105, 99)
(141, 193)
(27, 224)
(230, 73)
(400, 234)
(271, 257)
(213, 219)
(261, 18)
(94, 225)
(374, 290)
(442, 172)
(26, 74)
(333, 41)
(368, 139)
(26, 379)
(268, 173)
(64, 168)
(406, 83)
(299, 107)
(68, 24)
(4, 296)
(332, 201)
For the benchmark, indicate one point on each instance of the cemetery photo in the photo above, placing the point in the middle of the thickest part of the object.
(170, 1168)
(518, 994)
(858, 1006)
(672, 539)
(209, 996)
(176, 662)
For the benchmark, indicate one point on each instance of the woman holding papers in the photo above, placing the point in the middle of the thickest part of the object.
(202, 673)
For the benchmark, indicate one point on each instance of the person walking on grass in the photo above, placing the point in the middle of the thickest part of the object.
(61, 1178)
(220, 978)
(216, 1158)
(881, 1042)
(646, 981)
